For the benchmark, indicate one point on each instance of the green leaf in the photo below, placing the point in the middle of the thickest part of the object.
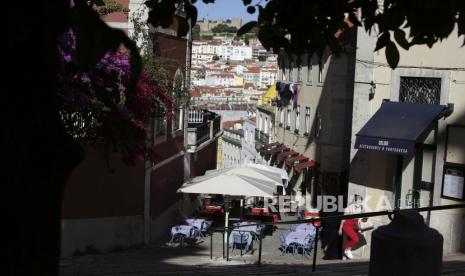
(418, 40)
(383, 40)
(392, 55)
(431, 41)
(191, 11)
(246, 27)
(264, 35)
(395, 16)
(251, 9)
(399, 35)
(183, 27)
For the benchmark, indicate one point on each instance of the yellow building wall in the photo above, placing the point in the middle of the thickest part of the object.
(238, 80)
(269, 95)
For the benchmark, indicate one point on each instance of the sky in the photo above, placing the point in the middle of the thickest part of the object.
(224, 9)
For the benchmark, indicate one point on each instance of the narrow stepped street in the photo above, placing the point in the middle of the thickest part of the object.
(163, 258)
(156, 260)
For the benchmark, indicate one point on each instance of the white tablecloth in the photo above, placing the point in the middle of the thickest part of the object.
(299, 237)
(254, 228)
(186, 230)
(199, 223)
(235, 237)
(304, 227)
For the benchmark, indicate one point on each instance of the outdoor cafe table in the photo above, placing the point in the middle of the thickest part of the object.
(240, 237)
(197, 222)
(298, 237)
(249, 226)
(304, 227)
(185, 230)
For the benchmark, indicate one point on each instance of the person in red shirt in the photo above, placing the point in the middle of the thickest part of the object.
(350, 227)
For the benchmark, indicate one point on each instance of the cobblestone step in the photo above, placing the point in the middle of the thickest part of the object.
(155, 260)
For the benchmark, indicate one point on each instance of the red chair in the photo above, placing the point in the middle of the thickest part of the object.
(313, 214)
(260, 211)
(214, 209)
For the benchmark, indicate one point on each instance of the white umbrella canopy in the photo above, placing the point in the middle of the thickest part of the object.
(246, 170)
(231, 182)
(227, 183)
(279, 171)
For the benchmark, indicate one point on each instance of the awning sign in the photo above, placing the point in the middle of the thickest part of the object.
(396, 126)
(402, 147)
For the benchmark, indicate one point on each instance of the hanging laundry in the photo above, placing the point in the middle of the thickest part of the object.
(294, 88)
(280, 86)
(284, 92)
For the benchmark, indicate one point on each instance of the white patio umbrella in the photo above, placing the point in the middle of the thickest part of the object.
(282, 172)
(228, 183)
(251, 171)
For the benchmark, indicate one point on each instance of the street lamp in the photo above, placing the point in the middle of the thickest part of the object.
(227, 208)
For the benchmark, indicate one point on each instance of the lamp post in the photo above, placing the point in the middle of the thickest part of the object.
(227, 207)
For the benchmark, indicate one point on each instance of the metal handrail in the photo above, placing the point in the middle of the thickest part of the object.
(389, 213)
(361, 215)
(203, 132)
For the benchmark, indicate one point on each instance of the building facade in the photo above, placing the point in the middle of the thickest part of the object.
(313, 120)
(109, 205)
(235, 52)
(265, 128)
(267, 76)
(206, 25)
(428, 173)
(231, 143)
(249, 152)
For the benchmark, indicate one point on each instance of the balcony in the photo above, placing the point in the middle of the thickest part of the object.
(261, 139)
(203, 127)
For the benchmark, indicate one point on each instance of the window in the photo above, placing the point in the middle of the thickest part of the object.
(420, 90)
(281, 117)
(299, 73)
(266, 125)
(307, 120)
(297, 119)
(291, 71)
(289, 110)
(177, 119)
(320, 70)
(318, 125)
(309, 70)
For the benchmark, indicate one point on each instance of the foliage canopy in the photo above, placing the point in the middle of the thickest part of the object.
(299, 26)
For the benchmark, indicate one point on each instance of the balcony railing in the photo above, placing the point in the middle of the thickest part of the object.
(261, 139)
(203, 126)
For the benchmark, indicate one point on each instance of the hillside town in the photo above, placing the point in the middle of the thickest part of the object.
(198, 151)
(226, 71)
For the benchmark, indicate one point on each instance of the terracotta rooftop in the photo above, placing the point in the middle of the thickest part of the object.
(253, 69)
